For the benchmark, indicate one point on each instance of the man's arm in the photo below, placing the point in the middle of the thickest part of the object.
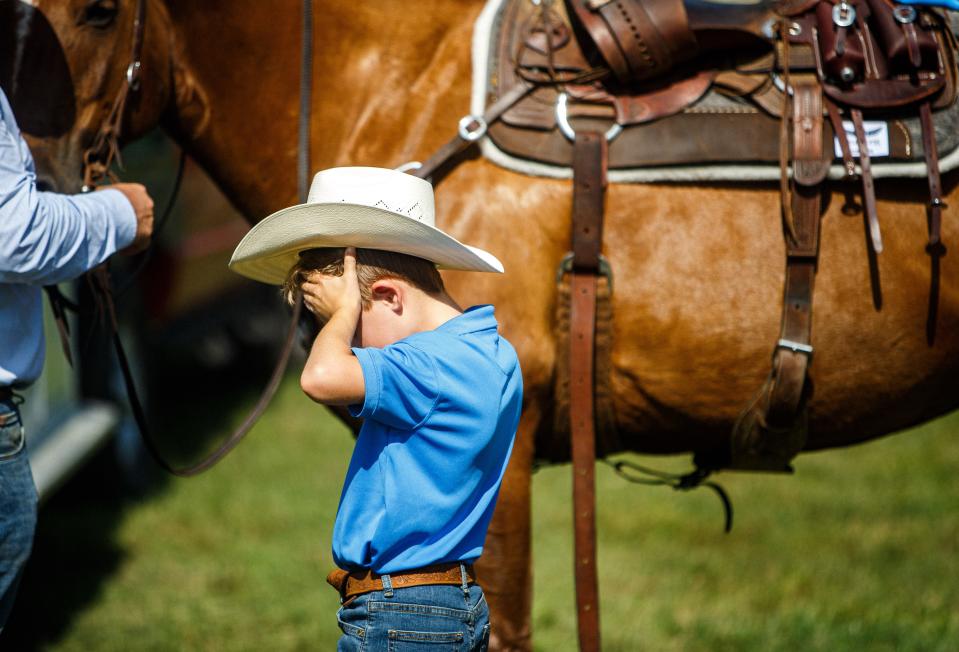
(332, 374)
(48, 238)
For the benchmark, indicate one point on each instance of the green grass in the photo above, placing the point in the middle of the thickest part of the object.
(858, 551)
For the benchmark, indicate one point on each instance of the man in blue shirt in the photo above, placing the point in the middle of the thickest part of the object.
(438, 388)
(45, 238)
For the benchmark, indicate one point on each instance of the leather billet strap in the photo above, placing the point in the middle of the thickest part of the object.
(589, 189)
(868, 183)
(772, 429)
(810, 167)
(931, 154)
(638, 39)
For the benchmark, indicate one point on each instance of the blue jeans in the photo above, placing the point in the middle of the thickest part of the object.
(18, 506)
(415, 619)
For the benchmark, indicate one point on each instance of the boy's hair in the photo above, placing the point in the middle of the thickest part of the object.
(371, 265)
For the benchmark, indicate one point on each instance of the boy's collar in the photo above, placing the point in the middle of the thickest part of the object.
(471, 320)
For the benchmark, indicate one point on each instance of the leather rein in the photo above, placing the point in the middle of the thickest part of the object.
(97, 160)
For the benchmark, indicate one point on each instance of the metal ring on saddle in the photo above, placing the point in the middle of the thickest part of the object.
(562, 121)
(469, 133)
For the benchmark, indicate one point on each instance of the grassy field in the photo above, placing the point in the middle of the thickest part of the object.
(858, 551)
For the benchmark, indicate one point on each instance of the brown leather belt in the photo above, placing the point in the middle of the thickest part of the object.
(359, 582)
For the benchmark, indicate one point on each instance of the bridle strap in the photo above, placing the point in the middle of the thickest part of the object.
(105, 148)
(303, 161)
(136, 53)
(100, 155)
(96, 162)
(101, 285)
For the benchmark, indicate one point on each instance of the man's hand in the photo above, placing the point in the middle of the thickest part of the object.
(142, 204)
(326, 295)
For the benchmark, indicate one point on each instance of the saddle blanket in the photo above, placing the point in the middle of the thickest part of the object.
(890, 142)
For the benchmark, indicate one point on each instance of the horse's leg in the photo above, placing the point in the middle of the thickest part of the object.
(505, 570)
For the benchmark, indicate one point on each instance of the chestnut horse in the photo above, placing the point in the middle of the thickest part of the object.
(699, 269)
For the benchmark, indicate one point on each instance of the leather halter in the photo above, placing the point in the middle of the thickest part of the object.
(98, 157)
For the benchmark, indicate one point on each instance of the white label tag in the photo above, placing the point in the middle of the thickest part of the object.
(877, 138)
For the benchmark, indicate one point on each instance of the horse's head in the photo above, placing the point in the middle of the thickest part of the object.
(63, 63)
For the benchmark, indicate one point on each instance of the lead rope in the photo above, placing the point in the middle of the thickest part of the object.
(102, 279)
(101, 282)
(158, 229)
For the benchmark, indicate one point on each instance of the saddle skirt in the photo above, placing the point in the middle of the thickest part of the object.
(713, 117)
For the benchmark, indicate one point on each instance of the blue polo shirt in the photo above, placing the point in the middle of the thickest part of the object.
(440, 415)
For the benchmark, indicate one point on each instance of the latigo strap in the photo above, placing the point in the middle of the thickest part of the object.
(589, 185)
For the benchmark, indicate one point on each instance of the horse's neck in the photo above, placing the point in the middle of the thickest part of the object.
(390, 80)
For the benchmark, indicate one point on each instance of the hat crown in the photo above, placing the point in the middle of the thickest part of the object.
(390, 190)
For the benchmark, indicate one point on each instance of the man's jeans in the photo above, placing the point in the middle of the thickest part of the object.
(18, 506)
(415, 619)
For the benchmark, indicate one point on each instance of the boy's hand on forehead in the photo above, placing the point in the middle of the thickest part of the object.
(332, 375)
(326, 295)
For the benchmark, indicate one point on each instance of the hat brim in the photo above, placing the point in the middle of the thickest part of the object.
(271, 248)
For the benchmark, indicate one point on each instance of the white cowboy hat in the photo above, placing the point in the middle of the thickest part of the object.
(370, 208)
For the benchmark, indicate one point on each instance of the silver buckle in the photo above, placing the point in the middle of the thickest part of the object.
(795, 347)
(468, 132)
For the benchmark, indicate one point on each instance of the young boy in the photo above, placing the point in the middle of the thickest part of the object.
(439, 391)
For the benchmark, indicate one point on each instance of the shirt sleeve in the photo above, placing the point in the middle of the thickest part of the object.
(401, 385)
(46, 237)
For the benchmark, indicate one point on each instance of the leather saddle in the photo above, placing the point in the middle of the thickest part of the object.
(683, 83)
(693, 82)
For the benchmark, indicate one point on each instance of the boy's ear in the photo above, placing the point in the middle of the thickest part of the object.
(388, 291)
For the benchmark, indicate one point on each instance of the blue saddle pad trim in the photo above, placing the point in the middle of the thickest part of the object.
(947, 4)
